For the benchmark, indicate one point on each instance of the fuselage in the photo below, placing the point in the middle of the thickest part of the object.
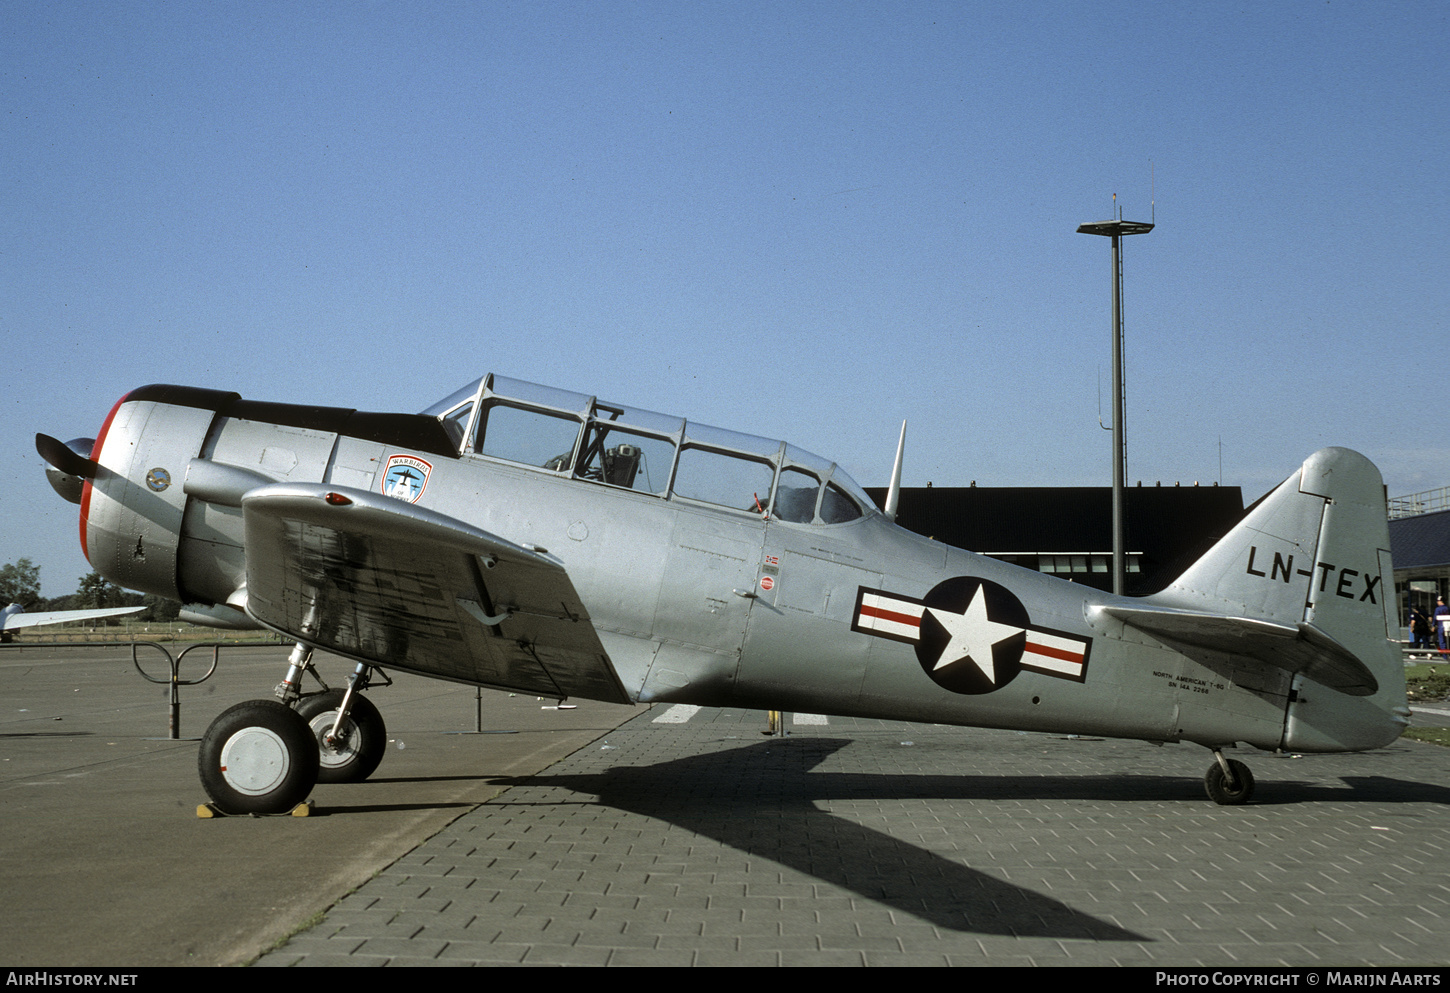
(717, 568)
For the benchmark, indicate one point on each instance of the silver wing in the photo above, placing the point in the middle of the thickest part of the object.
(24, 620)
(381, 581)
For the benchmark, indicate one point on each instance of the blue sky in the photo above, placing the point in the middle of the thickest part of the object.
(801, 220)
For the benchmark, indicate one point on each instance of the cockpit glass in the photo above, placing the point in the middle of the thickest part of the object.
(534, 395)
(534, 425)
(647, 420)
(456, 423)
(620, 457)
(795, 496)
(529, 437)
(724, 480)
(837, 507)
(713, 437)
(454, 400)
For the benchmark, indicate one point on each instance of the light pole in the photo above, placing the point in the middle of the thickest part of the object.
(1117, 230)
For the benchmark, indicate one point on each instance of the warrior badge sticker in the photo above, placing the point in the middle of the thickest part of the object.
(971, 635)
(405, 477)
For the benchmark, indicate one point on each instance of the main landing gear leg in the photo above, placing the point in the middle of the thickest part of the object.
(348, 729)
(1228, 781)
(289, 690)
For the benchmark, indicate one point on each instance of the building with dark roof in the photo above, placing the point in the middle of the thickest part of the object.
(1420, 548)
(1068, 531)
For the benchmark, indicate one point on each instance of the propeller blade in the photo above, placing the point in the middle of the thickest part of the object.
(63, 457)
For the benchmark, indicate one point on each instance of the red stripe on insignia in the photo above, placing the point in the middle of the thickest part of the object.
(1054, 653)
(910, 620)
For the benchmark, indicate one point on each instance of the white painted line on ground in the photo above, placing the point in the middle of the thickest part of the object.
(678, 714)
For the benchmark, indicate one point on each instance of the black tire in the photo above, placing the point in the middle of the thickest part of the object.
(258, 758)
(364, 737)
(1217, 784)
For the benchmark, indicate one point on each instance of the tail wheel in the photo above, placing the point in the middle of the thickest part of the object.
(258, 758)
(1219, 790)
(359, 747)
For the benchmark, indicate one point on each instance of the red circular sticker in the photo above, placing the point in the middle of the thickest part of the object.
(766, 583)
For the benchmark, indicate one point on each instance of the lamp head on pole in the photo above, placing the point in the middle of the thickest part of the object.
(1112, 228)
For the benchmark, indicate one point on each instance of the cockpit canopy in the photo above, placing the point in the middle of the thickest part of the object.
(582, 437)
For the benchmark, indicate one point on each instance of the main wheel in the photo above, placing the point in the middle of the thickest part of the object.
(360, 746)
(258, 758)
(1217, 784)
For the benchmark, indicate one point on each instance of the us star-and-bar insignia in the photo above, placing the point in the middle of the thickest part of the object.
(971, 635)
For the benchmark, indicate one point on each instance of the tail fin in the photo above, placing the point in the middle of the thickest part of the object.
(1315, 550)
(1306, 578)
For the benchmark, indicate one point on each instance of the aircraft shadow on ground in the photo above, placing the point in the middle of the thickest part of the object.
(896, 786)
(1362, 789)
(47, 734)
(338, 810)
(760, 800)
(498, 780)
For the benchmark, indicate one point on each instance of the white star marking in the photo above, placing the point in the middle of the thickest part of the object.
(973, 634)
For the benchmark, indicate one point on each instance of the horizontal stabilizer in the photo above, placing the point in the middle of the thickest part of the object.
(1296, 648)
(389, 583)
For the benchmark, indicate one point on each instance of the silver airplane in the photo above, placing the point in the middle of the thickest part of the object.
(14, 617)
(529, 539)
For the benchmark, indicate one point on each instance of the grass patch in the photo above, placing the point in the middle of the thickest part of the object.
(1435, 736)
(1427, 683)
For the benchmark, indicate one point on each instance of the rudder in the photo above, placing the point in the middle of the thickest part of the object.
(1315, 551)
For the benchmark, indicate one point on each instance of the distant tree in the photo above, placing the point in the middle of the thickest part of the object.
(97, 591)
(19, 583)
(162, 609)
(66, 601)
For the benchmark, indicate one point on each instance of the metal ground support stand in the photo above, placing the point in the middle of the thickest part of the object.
(174, 664)
(175, 681)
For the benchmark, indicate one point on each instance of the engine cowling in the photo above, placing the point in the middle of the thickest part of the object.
(132, 510)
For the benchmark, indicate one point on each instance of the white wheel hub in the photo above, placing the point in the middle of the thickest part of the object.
(255, 761)
(341, 751)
